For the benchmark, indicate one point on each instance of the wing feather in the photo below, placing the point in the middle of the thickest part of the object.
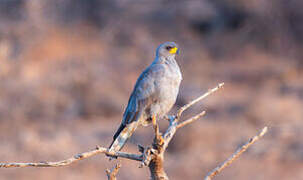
(143, 94)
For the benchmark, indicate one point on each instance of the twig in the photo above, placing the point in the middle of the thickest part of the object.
(161, 142)
(112, 174)
(75, 158)
(209, 92)
(190, 120)
(152, 157)
(235, 155)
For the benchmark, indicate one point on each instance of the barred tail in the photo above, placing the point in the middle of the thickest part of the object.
(122, 135)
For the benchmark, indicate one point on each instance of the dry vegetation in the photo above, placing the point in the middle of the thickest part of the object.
(68, 67)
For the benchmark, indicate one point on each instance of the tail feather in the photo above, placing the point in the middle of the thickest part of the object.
(120, 129)
(122, 135)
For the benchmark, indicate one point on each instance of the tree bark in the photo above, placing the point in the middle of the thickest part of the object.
(156, 168)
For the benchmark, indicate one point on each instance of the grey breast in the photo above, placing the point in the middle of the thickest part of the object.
(167, 88)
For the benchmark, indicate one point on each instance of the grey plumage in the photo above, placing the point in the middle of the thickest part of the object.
(154, 94)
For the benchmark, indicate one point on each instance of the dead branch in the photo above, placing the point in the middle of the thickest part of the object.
(153, 157)
(190, 120)
(160, 144)
(209, 92)
(235, 155)
(112, 174)
(75, 158)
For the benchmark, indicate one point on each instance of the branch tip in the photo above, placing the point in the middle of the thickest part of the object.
(264, 131)
(209, 92)
(111, 174)
(235, 155)
(190, 120)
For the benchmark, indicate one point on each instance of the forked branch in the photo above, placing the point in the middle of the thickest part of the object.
(112, 174)
(153, 157)
(75, 158)
(161, 142)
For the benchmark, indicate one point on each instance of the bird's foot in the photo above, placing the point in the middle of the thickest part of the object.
(169, 117)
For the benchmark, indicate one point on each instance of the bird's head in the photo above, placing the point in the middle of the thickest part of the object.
(167, 49)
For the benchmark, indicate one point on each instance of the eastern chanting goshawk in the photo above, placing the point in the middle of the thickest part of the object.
(154, 94)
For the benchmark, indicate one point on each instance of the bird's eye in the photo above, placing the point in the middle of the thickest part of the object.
(169, 47)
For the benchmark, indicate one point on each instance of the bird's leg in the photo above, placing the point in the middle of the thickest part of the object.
(158, 135)
(155, 126)
(169, 117)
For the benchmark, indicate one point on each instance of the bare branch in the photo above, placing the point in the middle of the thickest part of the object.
(235, 155)
(161, 142)
(174, 125)
(192, 119)
(112, 174)
(75, 158)
(209, 92)
(170, 132)
(136, 157)
(153, 157)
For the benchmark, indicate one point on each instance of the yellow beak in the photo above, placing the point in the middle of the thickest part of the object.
(173, 50)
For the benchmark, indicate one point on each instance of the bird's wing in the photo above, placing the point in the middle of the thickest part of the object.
(142, 96)
(144, 93)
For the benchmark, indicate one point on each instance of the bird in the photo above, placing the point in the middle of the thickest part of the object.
(154, 94)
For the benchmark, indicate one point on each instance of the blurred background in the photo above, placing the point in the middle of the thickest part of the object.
(67, 68)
